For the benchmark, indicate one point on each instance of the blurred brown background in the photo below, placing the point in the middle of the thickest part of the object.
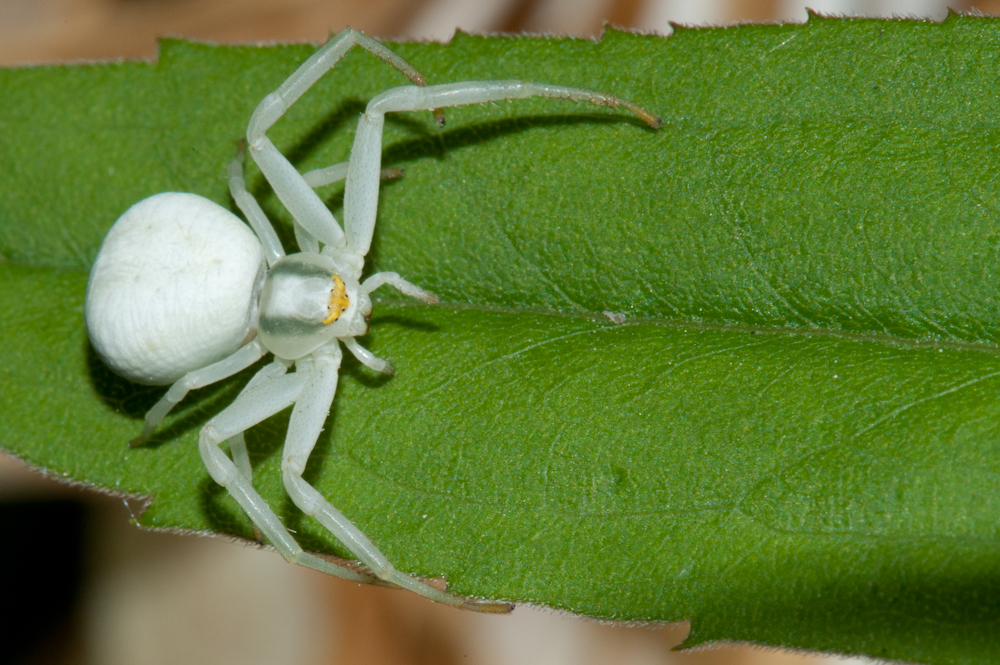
(122, 595)
(61, 30)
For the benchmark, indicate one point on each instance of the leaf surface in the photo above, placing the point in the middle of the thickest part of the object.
(793, 438)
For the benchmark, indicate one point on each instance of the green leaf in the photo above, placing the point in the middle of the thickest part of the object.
(793, 440)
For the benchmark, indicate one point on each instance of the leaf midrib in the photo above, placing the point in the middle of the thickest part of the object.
(600, 318)
(790, 331)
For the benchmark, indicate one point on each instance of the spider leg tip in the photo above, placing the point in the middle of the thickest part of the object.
(143, 438)
(487, 606)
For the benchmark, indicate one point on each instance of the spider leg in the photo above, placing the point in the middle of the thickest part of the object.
(326, 175)
(241, 458)
(276, 391)
(258, 221)
(367, 358)
(393, 279)
(331, 174)
(293, 191)
(237, 444)
(361, 193)
(308, 416)
(320, 178)
(237, 362)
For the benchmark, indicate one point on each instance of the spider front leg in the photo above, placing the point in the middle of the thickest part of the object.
(361, 192)
(259, 222)
(293, 191)
(308, 416)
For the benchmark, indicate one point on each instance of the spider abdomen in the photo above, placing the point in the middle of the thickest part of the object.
(174, 288)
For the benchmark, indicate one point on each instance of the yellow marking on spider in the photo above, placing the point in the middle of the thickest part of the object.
(339, 302)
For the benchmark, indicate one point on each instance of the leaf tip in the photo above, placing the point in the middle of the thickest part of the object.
(813, 15)
(954, 15)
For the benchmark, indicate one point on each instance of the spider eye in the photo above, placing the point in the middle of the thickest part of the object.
(339, 302)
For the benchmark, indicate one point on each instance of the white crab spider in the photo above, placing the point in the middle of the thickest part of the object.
(183, 293)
